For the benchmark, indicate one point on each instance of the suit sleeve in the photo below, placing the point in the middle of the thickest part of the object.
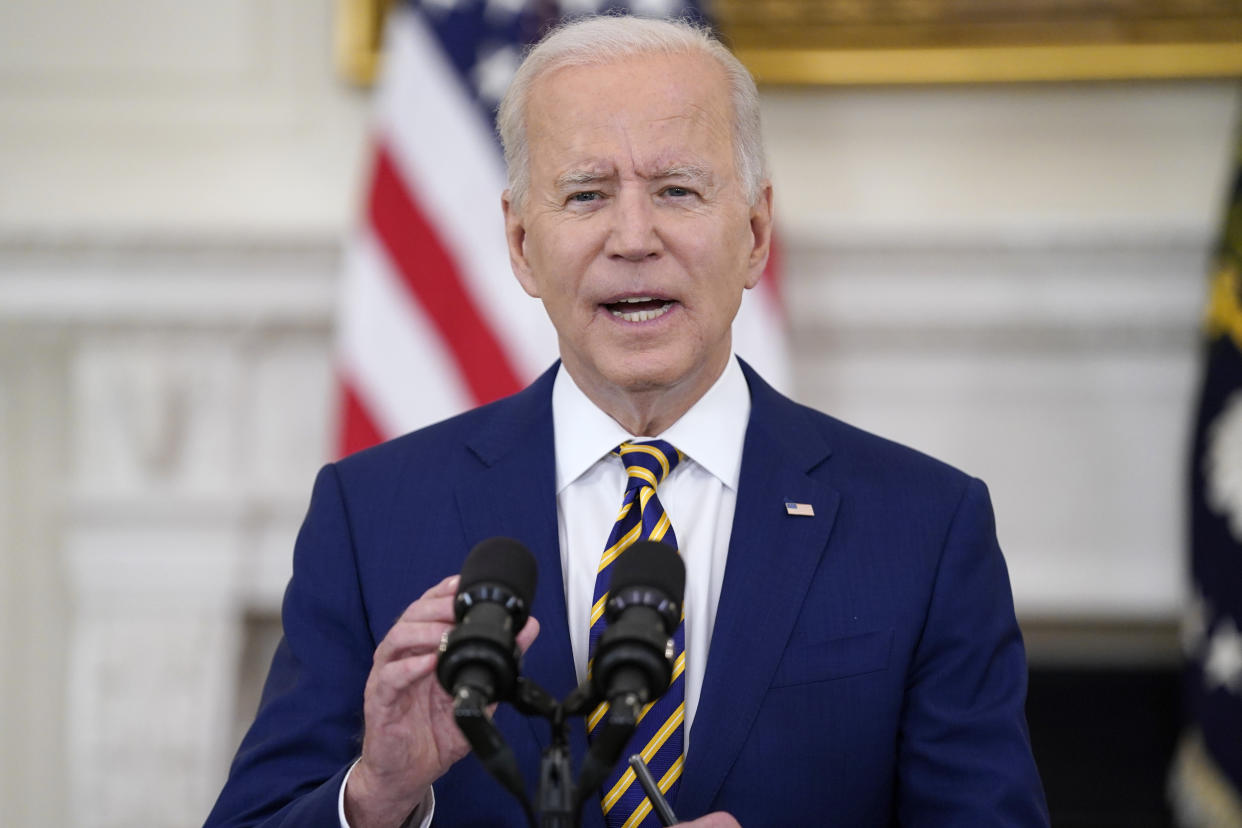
(964, 751)
(308, 729)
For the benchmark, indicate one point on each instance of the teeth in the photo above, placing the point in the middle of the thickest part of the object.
(643, 315)
(637, 299)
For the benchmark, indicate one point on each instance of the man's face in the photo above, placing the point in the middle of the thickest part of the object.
(635, 230)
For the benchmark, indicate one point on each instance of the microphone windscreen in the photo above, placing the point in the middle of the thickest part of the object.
(650, 564)
(501, 561)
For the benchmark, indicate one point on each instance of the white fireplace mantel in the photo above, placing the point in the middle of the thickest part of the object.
(196, 381)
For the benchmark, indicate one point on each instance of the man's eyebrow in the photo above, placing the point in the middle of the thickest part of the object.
(578, 178)
(587, 177)
(693, 171)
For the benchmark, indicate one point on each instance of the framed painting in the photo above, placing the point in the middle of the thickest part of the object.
(860, 42)
(846, 42)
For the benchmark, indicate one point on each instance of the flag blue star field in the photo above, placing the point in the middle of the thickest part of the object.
(432, 321)
(1208, 774)
(484, 41)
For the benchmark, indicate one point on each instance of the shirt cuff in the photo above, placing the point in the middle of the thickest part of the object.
(420, 818)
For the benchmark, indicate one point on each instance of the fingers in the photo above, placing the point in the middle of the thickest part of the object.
(395, 677)
(528, 633)
(411, 638)
(429, 608)
(446, 587)
(718, 819)
(436, 604)
(419, 629)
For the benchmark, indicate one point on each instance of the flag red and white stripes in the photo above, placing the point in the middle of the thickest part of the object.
(432, 321)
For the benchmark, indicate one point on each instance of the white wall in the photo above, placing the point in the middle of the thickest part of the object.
(1011, 277)
(1008, 277)
(174, 180)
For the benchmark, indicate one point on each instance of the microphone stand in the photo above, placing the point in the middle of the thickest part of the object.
(559, 799)
(633, 660)
(555, 800)
(470, 713)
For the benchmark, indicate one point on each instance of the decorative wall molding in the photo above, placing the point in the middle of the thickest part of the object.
(1062, 371)
(36, 609)
(1007, 277)
(1056, 363)
(196, 385)
(1053, 291)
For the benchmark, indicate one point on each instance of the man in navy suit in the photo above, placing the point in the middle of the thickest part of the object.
(851, 652)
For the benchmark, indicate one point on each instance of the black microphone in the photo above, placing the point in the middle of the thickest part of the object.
(635, 653)
(479, 657)
(633, 661)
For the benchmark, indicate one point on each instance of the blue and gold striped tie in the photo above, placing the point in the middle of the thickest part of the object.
(660, 733)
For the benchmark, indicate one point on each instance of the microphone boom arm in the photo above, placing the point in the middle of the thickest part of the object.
(470, 714)
(608, 744)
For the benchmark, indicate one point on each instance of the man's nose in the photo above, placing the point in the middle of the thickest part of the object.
(635, 233)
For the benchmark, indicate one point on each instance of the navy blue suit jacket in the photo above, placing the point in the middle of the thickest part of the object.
(866, 667)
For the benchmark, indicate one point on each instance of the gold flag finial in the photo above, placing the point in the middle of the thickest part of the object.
(358, 36)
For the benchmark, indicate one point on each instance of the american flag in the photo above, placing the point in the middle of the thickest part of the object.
(432, 321)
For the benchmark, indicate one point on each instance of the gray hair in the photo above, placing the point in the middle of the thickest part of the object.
(594, 41)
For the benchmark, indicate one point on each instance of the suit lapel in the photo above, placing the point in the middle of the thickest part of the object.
(513, 495)
(772, 556)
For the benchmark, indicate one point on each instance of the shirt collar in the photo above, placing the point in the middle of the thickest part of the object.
(711, 433)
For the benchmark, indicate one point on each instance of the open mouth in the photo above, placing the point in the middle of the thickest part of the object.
(639, 308)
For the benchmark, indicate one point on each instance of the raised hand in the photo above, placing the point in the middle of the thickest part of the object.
(411, 738)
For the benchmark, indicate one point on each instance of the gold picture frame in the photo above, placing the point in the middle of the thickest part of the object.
(867, 42)
(858, 42)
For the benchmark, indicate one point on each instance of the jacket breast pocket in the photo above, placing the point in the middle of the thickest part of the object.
(835, 658)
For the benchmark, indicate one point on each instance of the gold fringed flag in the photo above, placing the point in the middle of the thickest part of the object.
(1206, 782)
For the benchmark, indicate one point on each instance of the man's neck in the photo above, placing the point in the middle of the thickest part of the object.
(648, 412)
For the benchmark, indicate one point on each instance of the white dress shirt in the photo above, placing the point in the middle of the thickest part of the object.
(699, 497)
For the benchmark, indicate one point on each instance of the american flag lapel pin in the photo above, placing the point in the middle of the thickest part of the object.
(800, 509)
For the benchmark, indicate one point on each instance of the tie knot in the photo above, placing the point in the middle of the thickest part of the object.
(648, 463)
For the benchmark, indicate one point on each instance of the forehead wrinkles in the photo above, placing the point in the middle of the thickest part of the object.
(656, 124)
(614, 150)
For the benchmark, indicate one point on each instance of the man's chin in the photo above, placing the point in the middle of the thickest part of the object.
(641, 375)
(638, 372)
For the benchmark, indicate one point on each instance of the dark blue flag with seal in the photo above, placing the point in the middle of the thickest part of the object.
(1206, 781)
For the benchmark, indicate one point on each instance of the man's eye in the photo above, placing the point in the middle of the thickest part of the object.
(585, 197)
(677, 192)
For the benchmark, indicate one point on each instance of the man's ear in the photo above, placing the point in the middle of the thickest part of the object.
(761, 234)
(515, 237)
